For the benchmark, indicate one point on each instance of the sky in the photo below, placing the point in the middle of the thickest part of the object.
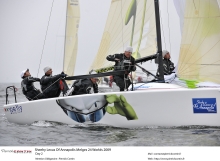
(28, 41)
(32, 35)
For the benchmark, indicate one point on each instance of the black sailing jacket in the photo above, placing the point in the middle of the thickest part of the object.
(28, 89)
(84, 86)
(47, 88)
(125, 63)
(168, 67)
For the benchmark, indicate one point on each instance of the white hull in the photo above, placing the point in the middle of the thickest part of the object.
(167, 106)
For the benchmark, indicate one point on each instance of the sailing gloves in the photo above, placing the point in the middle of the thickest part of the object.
(63, 75)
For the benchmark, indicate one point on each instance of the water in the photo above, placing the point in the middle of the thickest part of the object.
(54, 134)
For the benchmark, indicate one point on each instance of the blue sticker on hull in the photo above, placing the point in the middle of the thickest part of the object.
(204, 105)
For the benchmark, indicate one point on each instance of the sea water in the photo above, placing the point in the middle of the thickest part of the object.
(54, 134)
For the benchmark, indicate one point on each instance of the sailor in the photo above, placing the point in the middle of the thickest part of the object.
(123, 61)
(168, 65)
(86, 86)
(27, 86)
(52, 86)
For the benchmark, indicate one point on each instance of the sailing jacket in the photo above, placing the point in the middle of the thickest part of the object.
(28, 89)
(168, 67)
(84, 86)
(125, 63)
(49, 86)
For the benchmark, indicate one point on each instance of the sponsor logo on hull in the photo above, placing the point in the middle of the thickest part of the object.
(14, 110)
(204, 105)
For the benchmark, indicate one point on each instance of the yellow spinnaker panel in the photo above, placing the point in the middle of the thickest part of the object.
(129, 22)
(199, 55)
(71, 41)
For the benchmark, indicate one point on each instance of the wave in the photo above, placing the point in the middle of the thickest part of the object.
(46, 124)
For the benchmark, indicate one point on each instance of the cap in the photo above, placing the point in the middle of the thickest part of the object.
(164, 52)
(129, 49)
(23, 72)
(93, 72)
(46, 69)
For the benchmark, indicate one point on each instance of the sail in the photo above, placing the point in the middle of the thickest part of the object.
(71, 39)
(180, 6)
(199, 54)
(129, 22)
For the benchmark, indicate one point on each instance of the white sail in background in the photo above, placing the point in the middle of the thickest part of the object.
(199, 56)
(130, 22)
(71, 40)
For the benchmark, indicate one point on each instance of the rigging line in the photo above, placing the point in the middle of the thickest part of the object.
(162, 29)
(65, 35)
(122, 27)
(183, 69)
(47, 88)
(56, 39)
(45, 38)
(168, 24)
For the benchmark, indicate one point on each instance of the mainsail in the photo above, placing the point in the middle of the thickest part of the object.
(129, 23)
(71, 40)
(199, 54)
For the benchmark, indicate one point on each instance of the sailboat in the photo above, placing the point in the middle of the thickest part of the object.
(137, 23)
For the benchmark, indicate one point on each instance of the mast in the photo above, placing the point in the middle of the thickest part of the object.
(159, 45)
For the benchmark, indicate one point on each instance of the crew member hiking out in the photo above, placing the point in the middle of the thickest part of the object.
(28, 88)
(123, 61)
(52, 86)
